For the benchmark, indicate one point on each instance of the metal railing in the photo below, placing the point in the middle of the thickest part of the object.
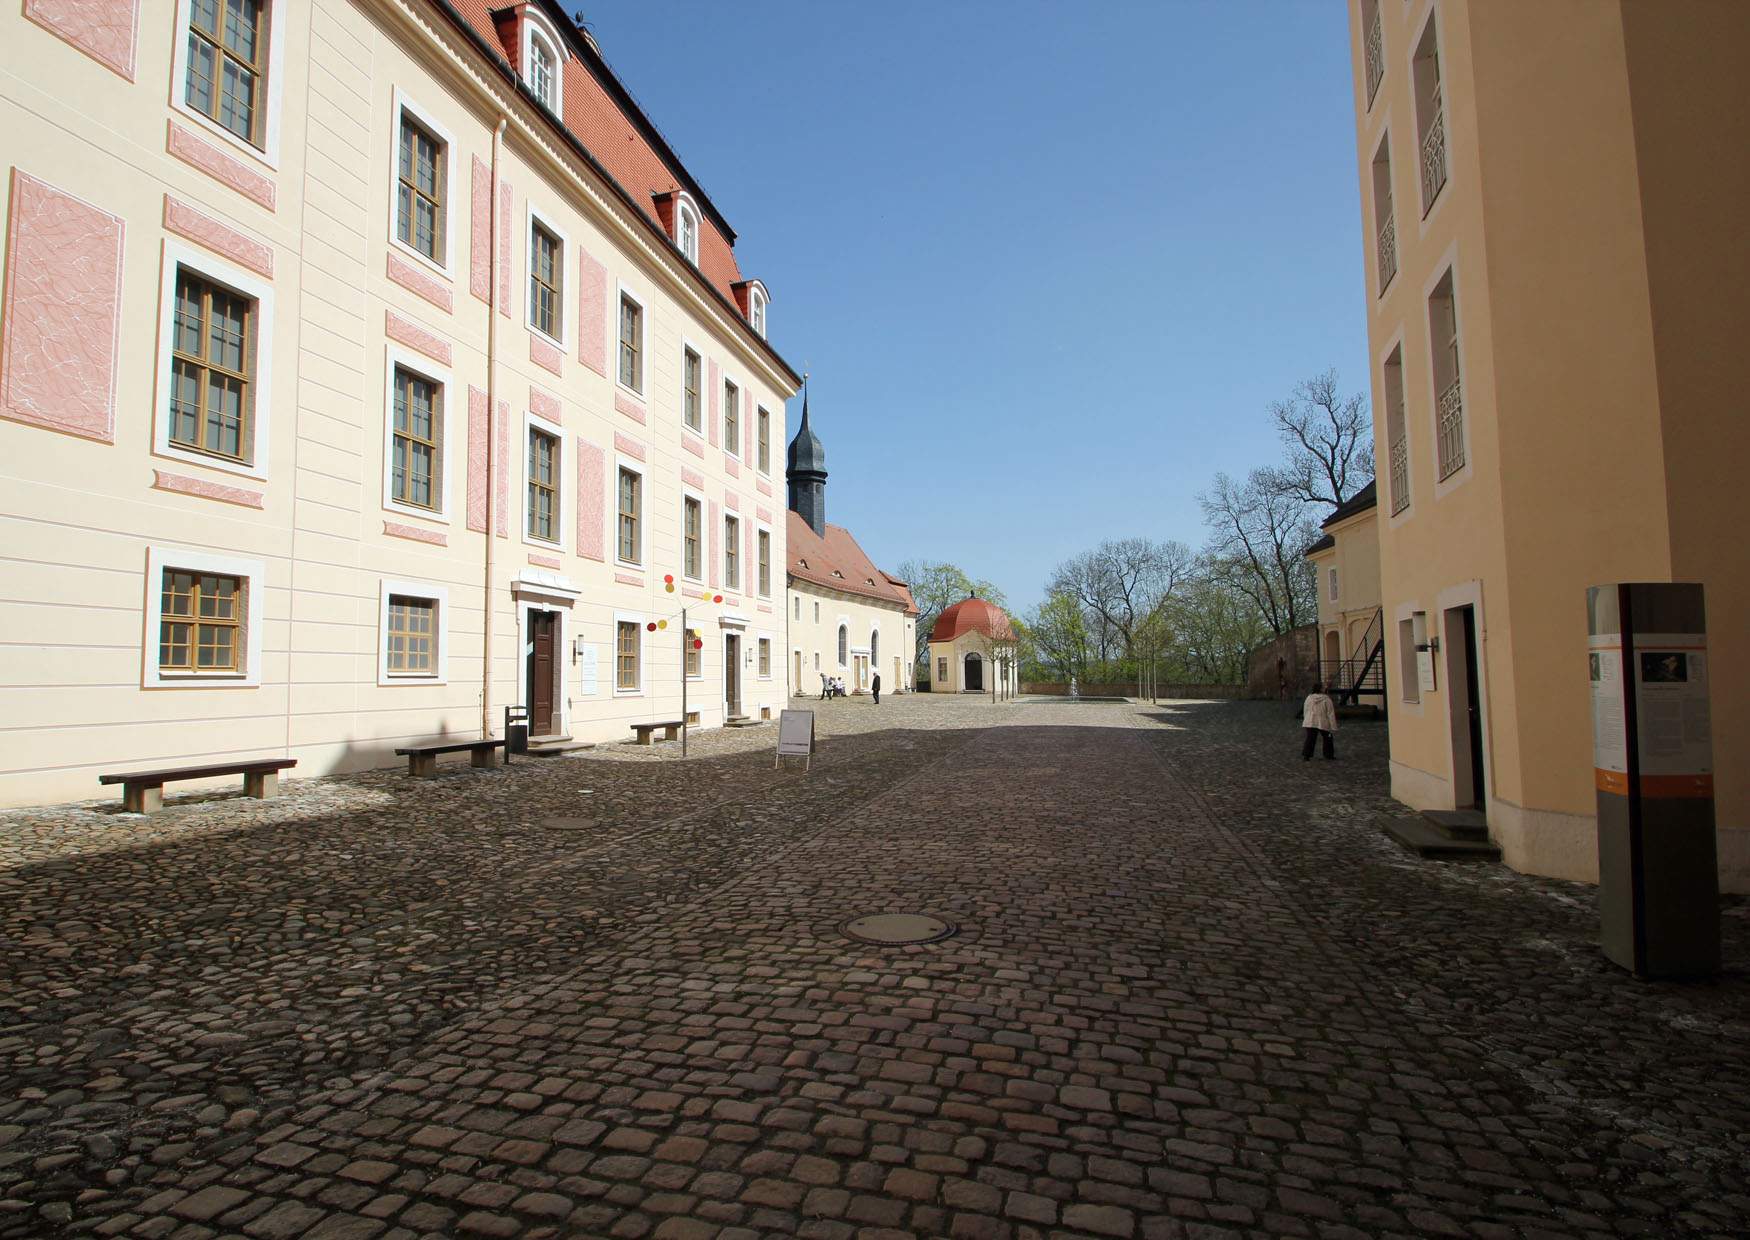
(1399, 452)
(1450, 417)
(1388, 248)
(1375, 57)
(1346, 679)
(1433, 156)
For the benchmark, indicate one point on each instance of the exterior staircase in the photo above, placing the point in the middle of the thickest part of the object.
(1446, 835)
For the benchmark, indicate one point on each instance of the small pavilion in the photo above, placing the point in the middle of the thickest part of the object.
(973, 649)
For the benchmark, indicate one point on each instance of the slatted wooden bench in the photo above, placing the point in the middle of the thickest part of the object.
(422, 759)
(143, 791)
(671, 730)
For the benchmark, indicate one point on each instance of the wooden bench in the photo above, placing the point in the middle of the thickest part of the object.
(422, 759)
(671, 731)
(143, 791)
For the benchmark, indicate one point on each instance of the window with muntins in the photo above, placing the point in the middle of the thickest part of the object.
(731, 419)
(543, 73)
(690, 388)
(691, 526)
(227, 62)
(211, 366)
(1448, 391)
(546, 281)
(756, 305)
(765, 441)
(200, 624)
(631, 505)
(543, 486)
(412, 636)
(687, 232)
(414, 467)
(1332, 581)
(419, 205)
(1397, 446)
(626, 639)
(695, 662)
(844, 644)
(764, 541)
(765, 656)
(631, 344)
(732, 552)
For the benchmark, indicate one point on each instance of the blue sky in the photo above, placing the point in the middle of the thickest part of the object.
(1048, 264)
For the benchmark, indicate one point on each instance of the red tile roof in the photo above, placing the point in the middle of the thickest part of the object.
(838, 563)
(971, 615)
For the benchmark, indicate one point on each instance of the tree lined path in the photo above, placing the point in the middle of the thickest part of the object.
(1193, 991)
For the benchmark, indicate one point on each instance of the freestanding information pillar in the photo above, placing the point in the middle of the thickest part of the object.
(1653, 765)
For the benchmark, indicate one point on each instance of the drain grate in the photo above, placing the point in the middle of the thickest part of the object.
(898, 929)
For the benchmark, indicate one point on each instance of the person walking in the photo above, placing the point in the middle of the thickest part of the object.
(875, 687)
(1319, 718)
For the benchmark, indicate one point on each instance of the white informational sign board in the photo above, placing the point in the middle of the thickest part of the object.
(1671, 708)
(1425, 671)
(1609, 725)
(795, 735)
(588, 657)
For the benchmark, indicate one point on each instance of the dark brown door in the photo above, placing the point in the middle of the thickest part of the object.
(1474, 710)
(732, 675)
(543, 630)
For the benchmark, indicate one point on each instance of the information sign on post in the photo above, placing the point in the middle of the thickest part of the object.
(795, 737)
(1652, 760)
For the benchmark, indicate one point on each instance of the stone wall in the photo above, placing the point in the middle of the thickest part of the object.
(1286, 666)
(1128, 689)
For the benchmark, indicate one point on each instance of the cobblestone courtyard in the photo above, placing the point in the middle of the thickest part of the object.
(1195, 991)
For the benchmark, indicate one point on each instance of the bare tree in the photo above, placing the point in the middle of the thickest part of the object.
(1329, 438)
(1215, 626)
(1258, 533)
(936, 587)
(1120, 584)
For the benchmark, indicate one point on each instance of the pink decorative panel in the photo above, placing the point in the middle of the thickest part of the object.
(630, 446)
(477, 443)
(414, 534)
(414, 336)
(731, 466)
(543, 354)
(504, 262)
(203, 229)
(184, 485)
(416, 280)
(765, 488)
(729, 600)
(197, 151)
(731, 501)
(627, 579)
(501, 503)
(480, 232)
(591, 496)
(766, 607)
(764, 513)
(692, 445)
(631, 408)
(543, 402)
(714, 382)
(716, 531)
(696, 481)
(62, 316)
(103, 29)
(546, 561)
(592, 309)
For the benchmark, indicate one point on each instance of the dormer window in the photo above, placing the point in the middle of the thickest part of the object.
(686, 230)
(543, 60)
(756, 311)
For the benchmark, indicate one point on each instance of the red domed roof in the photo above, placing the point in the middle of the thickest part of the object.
(971, 615)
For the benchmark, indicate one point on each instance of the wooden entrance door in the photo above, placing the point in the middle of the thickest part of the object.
(732, 674)
(543, 637)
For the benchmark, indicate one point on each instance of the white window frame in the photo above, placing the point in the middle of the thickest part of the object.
(1447, 263)
(638, 299)
(763, 639)
(692, 493)
(268, 152)
(732, 585)
(797, 609)
(535, 26)
(764, 467)
(632, 466)
(253, 573)
(535, 422)
(178, 254)
(636, 619)
(730, 381)
(684, 202)
(535, 215)
(1331, 582)
(428, 122)
(760, 527)
(437, 595)
(395, 356)
(757, 305)
(842, 641)
(687, 346)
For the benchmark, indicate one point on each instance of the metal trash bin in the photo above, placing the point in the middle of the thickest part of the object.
(516, 731)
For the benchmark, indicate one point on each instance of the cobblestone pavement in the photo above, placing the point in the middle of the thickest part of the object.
(1194, 992)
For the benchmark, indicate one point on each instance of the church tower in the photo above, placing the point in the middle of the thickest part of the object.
(805, 471)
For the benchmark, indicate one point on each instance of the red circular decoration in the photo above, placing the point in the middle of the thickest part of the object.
(716, 598)
(698, 644)
(651, 626)
(668, 579)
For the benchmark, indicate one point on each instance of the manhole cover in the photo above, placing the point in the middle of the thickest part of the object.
(898, 929)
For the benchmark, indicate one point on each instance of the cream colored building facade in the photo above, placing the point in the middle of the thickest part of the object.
(972, 650)
(309, 404)
(1345, 568)
(1556, 298)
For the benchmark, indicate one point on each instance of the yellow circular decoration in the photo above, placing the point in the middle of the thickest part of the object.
(662, 624)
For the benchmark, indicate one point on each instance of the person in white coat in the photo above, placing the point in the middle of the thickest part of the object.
(1319, 718)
